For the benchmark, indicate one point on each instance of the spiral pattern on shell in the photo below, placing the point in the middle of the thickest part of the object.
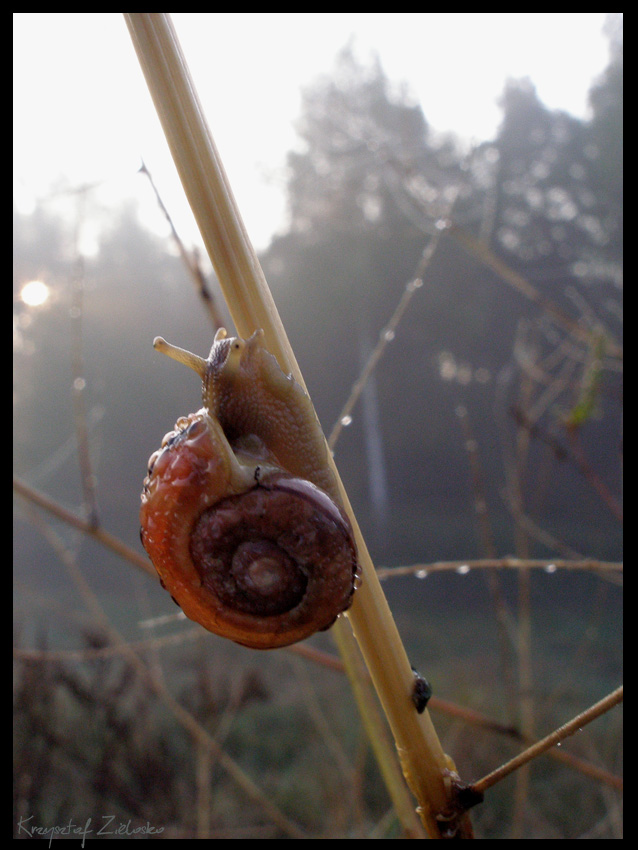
(265, 566)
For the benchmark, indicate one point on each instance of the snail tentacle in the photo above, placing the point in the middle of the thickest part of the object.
(234, 515)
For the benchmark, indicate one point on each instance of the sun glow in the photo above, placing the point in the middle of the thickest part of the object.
(35, 293)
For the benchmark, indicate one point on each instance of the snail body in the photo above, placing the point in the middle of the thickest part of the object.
(239, 510)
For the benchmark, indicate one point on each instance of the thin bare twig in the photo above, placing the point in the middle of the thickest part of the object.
(486, 536)
(570, 728)
(507, 563)
(484, 253)
(190, 260)
(386, 336)
(199, 734)
(104, 537)
(78, 386)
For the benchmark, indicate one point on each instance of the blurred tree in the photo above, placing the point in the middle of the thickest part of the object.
(351, 248)
(349, 241)
(605, 132)
(365, 192)
(354, 126)
(547, 192)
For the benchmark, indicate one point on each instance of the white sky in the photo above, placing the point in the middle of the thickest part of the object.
(82, 109)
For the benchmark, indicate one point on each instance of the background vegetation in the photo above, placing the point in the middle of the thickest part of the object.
(492, 425)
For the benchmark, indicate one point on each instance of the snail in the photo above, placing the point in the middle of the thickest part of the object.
(240, 512)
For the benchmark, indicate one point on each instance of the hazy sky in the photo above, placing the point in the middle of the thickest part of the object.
(82, 109)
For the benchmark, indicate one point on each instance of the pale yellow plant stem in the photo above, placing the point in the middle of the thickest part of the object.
(427, 769)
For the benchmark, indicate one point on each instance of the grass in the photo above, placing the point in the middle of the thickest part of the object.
(266, 709)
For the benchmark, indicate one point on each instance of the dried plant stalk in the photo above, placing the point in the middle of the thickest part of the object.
(426, 768)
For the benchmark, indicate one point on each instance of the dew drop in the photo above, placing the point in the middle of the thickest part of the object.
(463, 569)
(346, 420)
(388, 335)
(550, 568)
(417, 283)
(421, 574)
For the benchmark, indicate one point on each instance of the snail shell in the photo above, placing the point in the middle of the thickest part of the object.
(238, 512)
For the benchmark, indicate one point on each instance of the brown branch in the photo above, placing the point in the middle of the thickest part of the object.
(484, 253)
(570, 728)
(387, 335)
(191, 261)
(585, 467)
(88, 479)
(508, 563)
(104, 537)
(203, 740)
